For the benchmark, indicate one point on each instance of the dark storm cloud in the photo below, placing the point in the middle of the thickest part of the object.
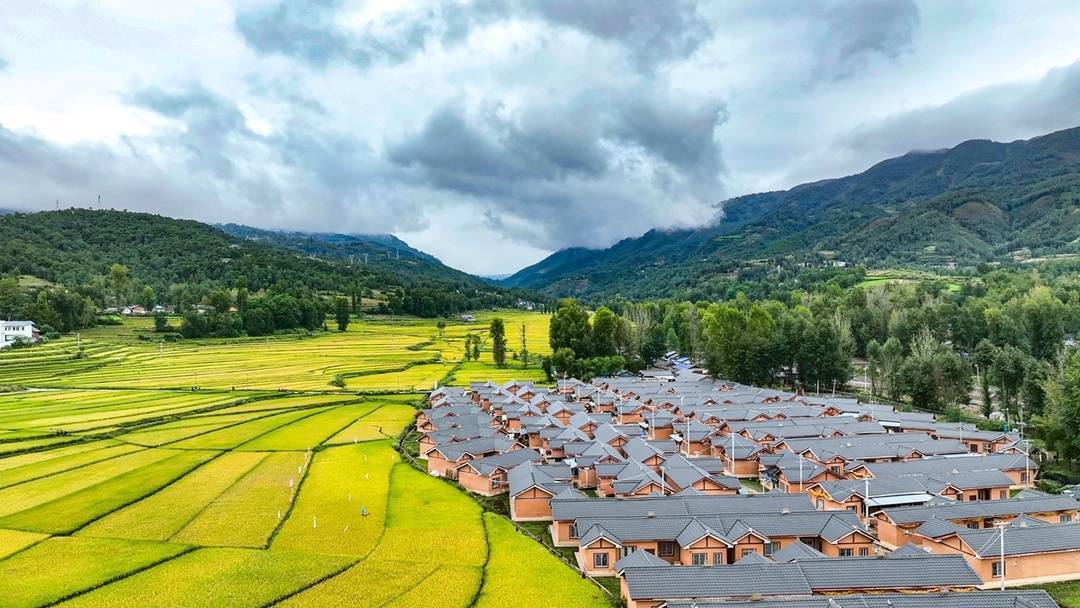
(855, 33)
(650, 32)
(308, 30)
(211, 124)
(594, 168)
(1002, 112)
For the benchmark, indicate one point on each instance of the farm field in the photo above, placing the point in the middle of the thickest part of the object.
(120, 485)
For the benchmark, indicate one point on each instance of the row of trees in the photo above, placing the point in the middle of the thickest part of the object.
(256, 316)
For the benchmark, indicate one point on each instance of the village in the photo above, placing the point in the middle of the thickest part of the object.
(699, 492)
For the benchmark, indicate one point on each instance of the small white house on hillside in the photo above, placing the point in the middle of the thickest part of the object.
(13, 330)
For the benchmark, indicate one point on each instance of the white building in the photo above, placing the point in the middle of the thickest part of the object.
(12, 330)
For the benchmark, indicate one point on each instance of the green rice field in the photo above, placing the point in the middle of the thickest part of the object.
(236, 473)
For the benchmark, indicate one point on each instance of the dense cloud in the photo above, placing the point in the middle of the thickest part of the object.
(576, 166)
(856, 33)
(309, 30)
(1017, 110)
(491, 132)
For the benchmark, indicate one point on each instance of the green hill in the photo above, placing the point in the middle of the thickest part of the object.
(379, 251)
(980, 201)
(76, 247)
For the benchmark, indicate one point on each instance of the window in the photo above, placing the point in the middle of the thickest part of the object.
(1023, 477)
(973, 525)
(846, 553)
(1065, 518)
(599, 560)
(667, 549)
(864, 551)
(1003, 494)
(771, 548)
(820, 504)
(573, 531)
(698, 559)
(746, 552)
(717, 559)
(997, 569)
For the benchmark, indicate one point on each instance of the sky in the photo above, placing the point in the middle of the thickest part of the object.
(491, 133)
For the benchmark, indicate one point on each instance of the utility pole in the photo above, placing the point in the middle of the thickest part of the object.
(1002, 525)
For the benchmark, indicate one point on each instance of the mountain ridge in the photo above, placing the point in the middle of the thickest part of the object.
(979, 201)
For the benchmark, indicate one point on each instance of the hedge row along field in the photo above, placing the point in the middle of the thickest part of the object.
(121, 485)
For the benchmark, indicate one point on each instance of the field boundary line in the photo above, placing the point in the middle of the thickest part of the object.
(415, 584)
(171, 481)
(181, 553)
(483, 567)
(292, 503)
(27, 547)
(310, 585)
(203, 508)
(322, 444)
(76, 468)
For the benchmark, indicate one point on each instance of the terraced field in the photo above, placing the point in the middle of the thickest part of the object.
(121, 486)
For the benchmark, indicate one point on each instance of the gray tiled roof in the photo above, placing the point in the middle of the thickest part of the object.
(736, 580)
(800, 577)
(968, 599)
(566, 510)
(983, 508)
(908, 550)
(1020, 540)
(929, 571)
(955, 464)
(937, 528)
(640, 559)
(796, 551)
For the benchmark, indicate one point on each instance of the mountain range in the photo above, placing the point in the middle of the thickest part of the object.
(980, 201)
(75, 246)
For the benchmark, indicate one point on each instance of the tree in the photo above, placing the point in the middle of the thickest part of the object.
(739, 343)
(342, 311)
(1008, 371)
(563, 363)
(985, 353)
(441, 326)
(161, 322)
(569, 328)
(1044, 320)
(221, 300)
(468, 347)
(1060, 426)
(146, 297)
(524, 349)
(497, 330)
(119, 278)
(604, 327)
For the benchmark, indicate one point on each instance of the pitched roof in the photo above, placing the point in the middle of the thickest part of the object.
(566, 510)
(927, 571)
(639, 559)
(969, 599)
(796, 551)
(981, 508)
(908, 550)
(1023, 540)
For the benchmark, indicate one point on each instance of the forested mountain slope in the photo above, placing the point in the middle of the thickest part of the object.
(378, 251)
(75, 247)
(979, 201)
